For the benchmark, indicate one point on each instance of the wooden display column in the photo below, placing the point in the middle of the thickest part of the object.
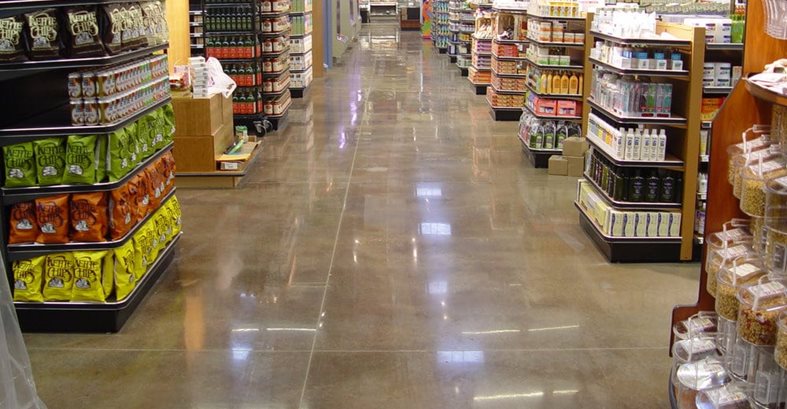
(318, 39)
(178, 23)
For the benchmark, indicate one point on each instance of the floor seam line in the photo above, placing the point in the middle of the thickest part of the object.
(330, 271)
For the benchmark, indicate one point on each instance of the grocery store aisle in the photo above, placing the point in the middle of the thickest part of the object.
(393, 250)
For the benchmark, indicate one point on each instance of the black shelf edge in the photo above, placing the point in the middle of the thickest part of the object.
(81, 62)
(505, 114)
(275, 74)
(511, 11)
(300, 13)
(275, 33)
(633, 250)
(561, 18)
(672, 163)
(575, 68)
(616, 204)
(656, 42)
(671, 121)
(12, 135)
(12, 195)
(223, 33)
(724, 46)
(274, 53)
(284, 112)
(508, 75)
(26, 251)
(37, 4)
(268, 14)
(506, 91)
(277, 93)
(554, 117)
(682, 74)
(716, 90)
(499, 108)
(502, 41)
(555, 44)
(93, 317)
(506, 58)
(538, 157)
(553, 96)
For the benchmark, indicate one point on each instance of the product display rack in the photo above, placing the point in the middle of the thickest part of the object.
(266, 26)
(506, 93)
(539, 155)
(480, 70)
(440, 23)
(746, 105)
(34, 117)
(196, 37)
(682, 130)
(301, 47)
(461, 26)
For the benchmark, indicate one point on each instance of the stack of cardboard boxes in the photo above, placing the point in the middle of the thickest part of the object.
(203, 130)
(572, 162)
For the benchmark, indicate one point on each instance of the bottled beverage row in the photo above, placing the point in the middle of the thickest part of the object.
(242, 18)
(635, 184)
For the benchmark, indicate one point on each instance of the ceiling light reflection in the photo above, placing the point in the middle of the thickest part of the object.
(552, 328)
(508, 396)
(292, 329)
(494, 331)
(460, 356)
(435, 229)
(565, 392)
(245, 329)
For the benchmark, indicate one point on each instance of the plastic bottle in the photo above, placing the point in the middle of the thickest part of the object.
(662, 145)
(549, 83)
(573, 84)
(564, 84)
(556, 83)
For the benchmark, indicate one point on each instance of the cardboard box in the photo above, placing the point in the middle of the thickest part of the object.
(198, 153)
(558, 165)
(575, 146)
(197, 117)
(576, 165)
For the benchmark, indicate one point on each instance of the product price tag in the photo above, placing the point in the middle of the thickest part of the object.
(767, 290)
(700, 324)
(767, 167)
(698, 346)
(723, 397)
(732, 252)
(745, 270)
(782, 181)
(732, 235)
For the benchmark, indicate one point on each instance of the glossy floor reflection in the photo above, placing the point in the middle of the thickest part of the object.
(392, 249)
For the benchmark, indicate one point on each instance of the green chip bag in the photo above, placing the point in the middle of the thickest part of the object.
(20, 165)
(133, 144)
(169, 121)
(103, 158)
(121, 155)
(81, 159)
(88, 276)
(160, 130)
(125, 263)
(28, 278)
(142, 247)
(58, 277)
(145, 137)
(50, 160)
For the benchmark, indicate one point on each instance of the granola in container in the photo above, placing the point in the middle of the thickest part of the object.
(734, 395)
(780, 355)
(733, 276)
(760, 306)
(775, 253)
(753, 178)
(720, 257)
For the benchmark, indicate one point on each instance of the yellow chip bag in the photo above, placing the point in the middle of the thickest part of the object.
(176, 215)
(88, 276)
(142, 249)
(108, 276)
(58, 277)
(28, 278)
(160, 223)
(125, 270)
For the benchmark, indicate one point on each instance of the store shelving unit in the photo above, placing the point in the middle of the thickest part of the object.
(682, 129)
(506, 93)
(41, 111)
(383, 10)
(461, 24)
(196, 37)
(746, 105)
(269, 105)
(480, 70)
(440, 32)
(533, 87)
(300, 47)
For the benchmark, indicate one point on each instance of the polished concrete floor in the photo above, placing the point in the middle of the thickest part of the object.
(393, 249)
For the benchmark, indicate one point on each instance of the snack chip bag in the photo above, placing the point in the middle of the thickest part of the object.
(89, 276)
(81, 159)
(175, 214)
(28, 279)
(50, 157)
(145, 137)
(122, 157)
(52, 216)
(142, 252)
(114, 20)
(108, 277)
(134, 29)
(142, 200)
(23, 224)
(160, 129)
(20, 165)
(43, 34)
(169, 119)
(125, 265)
(84, 38)
(160, 228)
(156, 186)
(103, 158)
(89, 216)
(122, 215)
(58, 277)
(169, 170)
(12, 47)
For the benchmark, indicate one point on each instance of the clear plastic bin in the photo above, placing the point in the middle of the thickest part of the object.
(719, 257)
(734, 395)
(776, 18)
(760, 306)
(742, 271)
(775, 253)
(695, 377)
(753, 185)
(702, 323)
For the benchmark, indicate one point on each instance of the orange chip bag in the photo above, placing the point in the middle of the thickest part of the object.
(23, 223)
(142, 197)
(122, 216)
(52, 217)
(89, 216)
(155, 192)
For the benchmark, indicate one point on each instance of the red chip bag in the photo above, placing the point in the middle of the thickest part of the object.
(89, 216)
(52, 217)
(122, 216)
(23, 224)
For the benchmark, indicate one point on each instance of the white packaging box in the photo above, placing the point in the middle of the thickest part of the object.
(653, 224)
(641, 229)
(630, 228)
(664, 220)
(674, 229)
